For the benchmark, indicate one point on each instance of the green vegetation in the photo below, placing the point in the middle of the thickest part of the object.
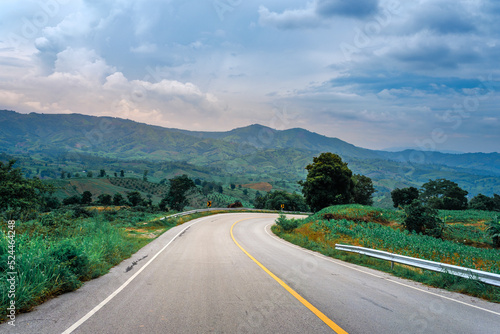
(422, 219)
(444, 194)
(286, 225)
(176, 198)
(381, 229)
(281, 200)
(57, 251)
(329, 181)
(482, 202)
(18, 194)
(363, 190)
(405, 196)
(437, 194)
(494, 231)
(229, 168)
(234, 157)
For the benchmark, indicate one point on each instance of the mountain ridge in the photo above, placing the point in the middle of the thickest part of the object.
(22, 133)
(253, 152)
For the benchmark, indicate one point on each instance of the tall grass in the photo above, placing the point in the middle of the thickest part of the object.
(57, 252)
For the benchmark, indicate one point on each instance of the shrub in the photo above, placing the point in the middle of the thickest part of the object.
(73, 265)
(422, 219)
(76, 199)
(287, 225)
(494, 231)
(81, 212)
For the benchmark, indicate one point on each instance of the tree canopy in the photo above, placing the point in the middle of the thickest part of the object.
(273, 201)
(444, 194)
(422, 219)
(329, 182)
(363, 190)
(176, 198)
(18, 193)
(483, 202)
(404, 196)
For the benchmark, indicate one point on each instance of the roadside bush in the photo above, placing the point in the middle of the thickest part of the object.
(287, 225)
(494, 231)
(73, 258)
(422, 219)
(82, 212)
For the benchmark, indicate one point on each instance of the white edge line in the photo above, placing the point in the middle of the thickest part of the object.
(324, 257)
(117, 291)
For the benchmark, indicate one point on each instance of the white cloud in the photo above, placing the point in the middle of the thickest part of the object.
(10, 99)
(82, 62)
(144, 48)
(175, 64)
(290, 19)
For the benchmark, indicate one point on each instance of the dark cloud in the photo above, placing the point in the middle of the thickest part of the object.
(317, 14)
(443, 17)
(379, 81)
(349, 8)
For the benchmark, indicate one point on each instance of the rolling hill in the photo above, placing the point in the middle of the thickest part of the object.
(244, 155)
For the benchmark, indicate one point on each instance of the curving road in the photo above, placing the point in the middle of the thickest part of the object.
(211, 275)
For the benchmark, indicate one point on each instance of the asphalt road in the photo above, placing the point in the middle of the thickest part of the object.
(201, 278)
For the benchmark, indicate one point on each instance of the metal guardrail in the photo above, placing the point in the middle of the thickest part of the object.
(229, 209)
(483, 276)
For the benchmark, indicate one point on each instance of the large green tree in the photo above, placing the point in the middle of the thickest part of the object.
(363, 190)
(404, 196)
(135, 198)
(86, 197)
(444, 194)
(18, 193)
(483, 202)
(176, 196)
(329, 182)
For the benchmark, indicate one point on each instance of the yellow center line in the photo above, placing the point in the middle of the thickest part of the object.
(301, 299)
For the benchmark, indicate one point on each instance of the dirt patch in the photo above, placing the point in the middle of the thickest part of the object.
(261, 186)
(143, 233)
(372, 216)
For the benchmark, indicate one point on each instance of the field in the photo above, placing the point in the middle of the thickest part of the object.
(380, 229)
(261, 186)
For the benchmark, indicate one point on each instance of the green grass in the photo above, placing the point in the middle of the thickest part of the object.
(56, 253)
(351, 227)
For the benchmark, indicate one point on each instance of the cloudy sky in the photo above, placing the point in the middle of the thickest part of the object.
(378, 74)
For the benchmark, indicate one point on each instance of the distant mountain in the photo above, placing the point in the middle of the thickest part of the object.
(263, 137)
(106, 136)
(405, 148)
(482, 163)
(253, 152)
